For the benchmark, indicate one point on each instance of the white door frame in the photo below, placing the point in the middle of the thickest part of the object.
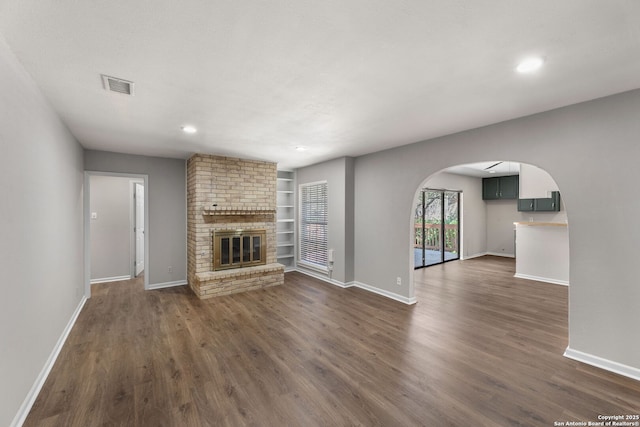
(87, 224)
(133, 218)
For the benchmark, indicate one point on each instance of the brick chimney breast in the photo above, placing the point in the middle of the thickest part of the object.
(227, 193)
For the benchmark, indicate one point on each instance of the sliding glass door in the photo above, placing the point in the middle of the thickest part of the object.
(437, 227)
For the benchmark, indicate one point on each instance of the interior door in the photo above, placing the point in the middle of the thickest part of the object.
(139, 227)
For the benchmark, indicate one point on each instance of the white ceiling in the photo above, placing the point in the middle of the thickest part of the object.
(486, 169)
(340, 77)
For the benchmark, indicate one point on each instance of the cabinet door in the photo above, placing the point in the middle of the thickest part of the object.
(526, 205)
(490, 188)
(509, 187)
(550, 204)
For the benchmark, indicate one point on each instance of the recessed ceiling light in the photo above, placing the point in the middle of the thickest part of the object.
(492, 171)
(189, 129)
(300, 148)
(529, 65)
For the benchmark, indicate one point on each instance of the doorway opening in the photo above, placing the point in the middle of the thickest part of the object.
(436, 227)
(505, 208)
(116, 235)
(138, 228)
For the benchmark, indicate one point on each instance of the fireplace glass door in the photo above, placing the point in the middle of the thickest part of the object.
(238, 248)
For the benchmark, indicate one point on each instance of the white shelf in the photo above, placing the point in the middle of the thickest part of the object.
(285, 214)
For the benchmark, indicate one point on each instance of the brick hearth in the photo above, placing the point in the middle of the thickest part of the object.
(225, 193)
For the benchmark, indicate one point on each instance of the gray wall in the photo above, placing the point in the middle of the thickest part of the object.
(111, 230)
(501, 214)
(339, 176)
(474, 230)
(41, 236)
(167, 209)
(589, 149)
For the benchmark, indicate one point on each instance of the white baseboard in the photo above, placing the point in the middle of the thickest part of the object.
(599, 362)
(478, 255)
(501, 254)
(320, 276)
(18, 420)
(166, 285)
(388, 294)
(110, 279)
(541, 279)
(384, 293)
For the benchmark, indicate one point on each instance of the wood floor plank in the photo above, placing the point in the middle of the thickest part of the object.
(479, 348)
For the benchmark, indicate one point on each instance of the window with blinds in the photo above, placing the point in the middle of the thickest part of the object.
(314, 216)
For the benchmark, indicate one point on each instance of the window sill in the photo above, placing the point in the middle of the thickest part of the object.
(315, 267)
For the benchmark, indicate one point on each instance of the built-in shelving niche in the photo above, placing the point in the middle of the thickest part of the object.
(285, 222)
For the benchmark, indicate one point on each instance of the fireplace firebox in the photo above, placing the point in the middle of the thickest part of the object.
(238, 248)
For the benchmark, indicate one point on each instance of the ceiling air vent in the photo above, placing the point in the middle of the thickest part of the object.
(114, 84)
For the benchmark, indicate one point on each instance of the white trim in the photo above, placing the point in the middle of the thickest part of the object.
(599, 362)
(384, 293)
(132, 234)
(324, 278)
(29, 400)
(86, 194)
(166, 285)
(110, 279)
(542, 279)
(502, 254)
(478, 255)
(369, 288)
(87, 224)
(132, 223)
(316, 267)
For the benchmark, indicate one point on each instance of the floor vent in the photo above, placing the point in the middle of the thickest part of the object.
(114, 84)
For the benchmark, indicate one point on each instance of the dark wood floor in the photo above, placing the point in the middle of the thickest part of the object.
(479, 349)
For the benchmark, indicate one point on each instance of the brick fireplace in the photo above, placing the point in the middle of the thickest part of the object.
(233, 196)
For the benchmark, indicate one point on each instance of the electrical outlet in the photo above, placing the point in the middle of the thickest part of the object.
(399, 281)
(170, 269)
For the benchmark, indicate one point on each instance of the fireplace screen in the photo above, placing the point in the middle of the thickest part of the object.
(238, 248)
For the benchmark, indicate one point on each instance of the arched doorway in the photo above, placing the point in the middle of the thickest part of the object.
(503, 206)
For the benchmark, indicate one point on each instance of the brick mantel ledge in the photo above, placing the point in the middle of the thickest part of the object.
(235, 210)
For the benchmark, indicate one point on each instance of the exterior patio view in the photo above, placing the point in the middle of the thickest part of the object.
(436, 228)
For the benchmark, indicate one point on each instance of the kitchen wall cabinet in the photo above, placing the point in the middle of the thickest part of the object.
(547, 204)
(500, 188)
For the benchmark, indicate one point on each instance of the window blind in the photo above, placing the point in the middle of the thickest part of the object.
(314, 215)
